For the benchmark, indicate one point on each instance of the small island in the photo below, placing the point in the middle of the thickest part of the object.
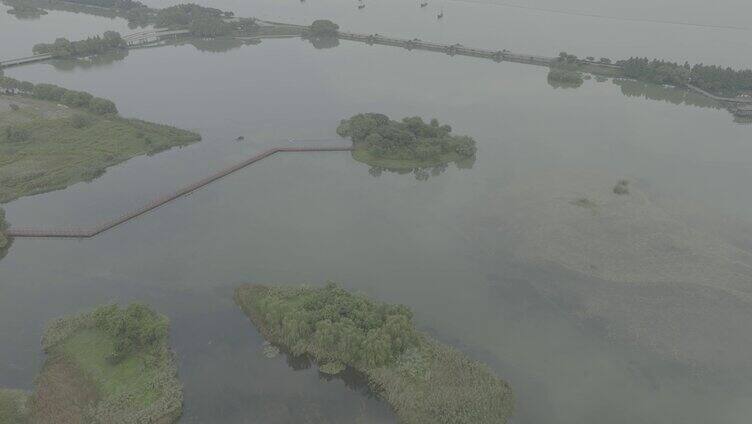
(51, 137)
(111, 365)
(423, 380)
(63, 48)
(409, 144)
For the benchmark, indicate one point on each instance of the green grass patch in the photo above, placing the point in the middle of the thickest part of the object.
(89, 350)
(423, 380)
(46, 147)
(126, 370)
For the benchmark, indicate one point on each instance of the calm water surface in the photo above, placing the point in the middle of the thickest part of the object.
(299, 218)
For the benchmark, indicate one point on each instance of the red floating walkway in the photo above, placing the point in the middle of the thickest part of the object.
(91, 232)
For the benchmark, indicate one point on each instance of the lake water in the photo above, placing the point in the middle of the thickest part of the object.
(314, 217)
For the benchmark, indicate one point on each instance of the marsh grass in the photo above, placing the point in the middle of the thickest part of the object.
(13, 406)
(46, 147)
(141, 387)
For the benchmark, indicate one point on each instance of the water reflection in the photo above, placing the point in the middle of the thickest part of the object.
(423, 174)
(744, 120)
(104, 59)
(324, 42)
(352, 378)
(673, 95)
(219, 45)
(563, 85)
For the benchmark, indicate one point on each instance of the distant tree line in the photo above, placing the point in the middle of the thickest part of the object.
(715, 79)
(54, 93)
(64, 48)
(411, 138)
(201, 21)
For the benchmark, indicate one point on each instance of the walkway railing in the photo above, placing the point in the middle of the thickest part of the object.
(82, 233)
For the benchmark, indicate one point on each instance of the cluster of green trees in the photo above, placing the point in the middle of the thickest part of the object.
(201, 21)
(135, 328)
(656, 71)
(323, 28)
(54, 93)
(422, 380)
(715, 79)
(64, 48)
(411, 138)
(336, 326)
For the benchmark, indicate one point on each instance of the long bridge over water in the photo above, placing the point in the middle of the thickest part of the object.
(154, 37)
(132, 40)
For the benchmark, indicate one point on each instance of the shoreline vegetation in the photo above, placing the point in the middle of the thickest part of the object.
(404, 145)
(110, 365)
(423, 380)
(24, 10)
(51, 138)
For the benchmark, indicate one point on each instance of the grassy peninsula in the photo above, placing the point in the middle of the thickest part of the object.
(423, 380)
(51, 138)
(409, 144)
(111, 365)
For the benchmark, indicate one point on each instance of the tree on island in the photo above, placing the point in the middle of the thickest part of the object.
(324, 28)
(410, 143)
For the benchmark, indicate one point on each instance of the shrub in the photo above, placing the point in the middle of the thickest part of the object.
(134, 328)
(102, 106)
(80, 121)
(622, 187)
(324, 28)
